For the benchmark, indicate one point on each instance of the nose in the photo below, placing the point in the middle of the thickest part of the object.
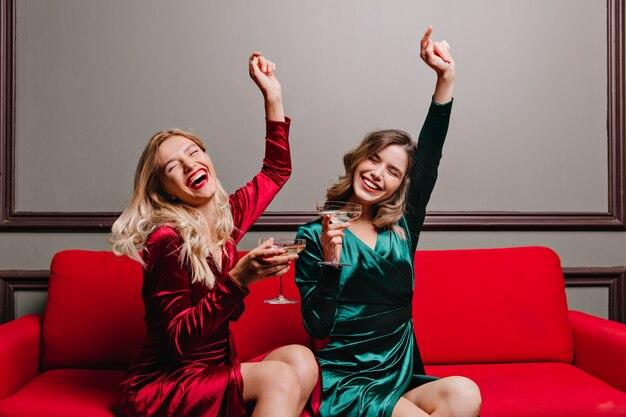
(188, 164)
(377, 172)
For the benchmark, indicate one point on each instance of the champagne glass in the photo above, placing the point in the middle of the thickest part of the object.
(339, 211)
(291, 246)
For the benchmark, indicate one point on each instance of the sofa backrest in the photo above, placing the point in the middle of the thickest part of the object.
(469, 306)
(94, 312)
(491, 305)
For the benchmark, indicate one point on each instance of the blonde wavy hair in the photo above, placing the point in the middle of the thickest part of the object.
(386, 214)
(151, 207)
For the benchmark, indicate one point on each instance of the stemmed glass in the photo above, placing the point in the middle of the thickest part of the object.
(291, 246)
(339, 211)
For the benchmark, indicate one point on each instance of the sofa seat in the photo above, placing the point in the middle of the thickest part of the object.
(66, 392)
(553, 388)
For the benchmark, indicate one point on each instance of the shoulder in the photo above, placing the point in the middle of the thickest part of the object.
(164, 238)
(310, 230)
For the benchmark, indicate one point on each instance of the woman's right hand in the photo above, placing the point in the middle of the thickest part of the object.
(261, 262)
(332, 238)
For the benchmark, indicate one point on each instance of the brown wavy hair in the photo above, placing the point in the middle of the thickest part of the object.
(386, 214)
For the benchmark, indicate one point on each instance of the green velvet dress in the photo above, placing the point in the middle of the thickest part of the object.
(364, 309)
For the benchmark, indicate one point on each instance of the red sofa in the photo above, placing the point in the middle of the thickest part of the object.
(497, 316)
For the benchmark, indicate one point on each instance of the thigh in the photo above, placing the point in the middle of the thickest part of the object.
(263, 376)
(405, 408)
(433, 394)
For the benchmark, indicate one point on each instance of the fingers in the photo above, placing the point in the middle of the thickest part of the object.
(433, 53)
(426, 37)
(258, 63)
(442, 49)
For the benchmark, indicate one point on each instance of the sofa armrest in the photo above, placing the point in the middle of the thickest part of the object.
(600, 347)
(20, 340)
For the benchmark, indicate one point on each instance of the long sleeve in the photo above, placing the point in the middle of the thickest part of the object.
(318, 286)
(251, 200)
(424, 171)
(185, 325)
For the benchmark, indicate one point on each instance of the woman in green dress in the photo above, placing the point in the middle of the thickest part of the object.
(371, 365)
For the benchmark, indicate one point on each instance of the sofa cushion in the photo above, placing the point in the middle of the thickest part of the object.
(491, 305)
(63, 393)
(94, 312)
(264, 327)
(539, 390)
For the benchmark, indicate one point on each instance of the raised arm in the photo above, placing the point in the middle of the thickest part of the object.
(251, 200)
(432, 136)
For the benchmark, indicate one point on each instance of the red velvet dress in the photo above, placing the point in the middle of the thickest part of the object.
(187, 365)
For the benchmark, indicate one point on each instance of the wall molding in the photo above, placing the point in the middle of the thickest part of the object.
(613, 278)
(613, 219)
(19, 280)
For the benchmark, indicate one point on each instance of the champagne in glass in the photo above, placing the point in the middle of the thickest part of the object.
(291, 246)
(339, 211)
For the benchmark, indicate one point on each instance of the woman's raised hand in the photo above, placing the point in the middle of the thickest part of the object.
(261, 262)
(262, 73)
(437, 55)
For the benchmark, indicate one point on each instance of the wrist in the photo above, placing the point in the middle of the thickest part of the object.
(273, 97)
(236, 276)
(274, 109)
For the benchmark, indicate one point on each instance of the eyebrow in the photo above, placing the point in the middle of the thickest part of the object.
(390, 165)
(184, 151)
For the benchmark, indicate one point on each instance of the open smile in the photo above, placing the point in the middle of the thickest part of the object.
(198, 179)
(370, 185)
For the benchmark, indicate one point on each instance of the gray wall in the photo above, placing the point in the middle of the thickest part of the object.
(95, 80)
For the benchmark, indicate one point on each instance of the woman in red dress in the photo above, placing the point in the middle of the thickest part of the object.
(183, 227)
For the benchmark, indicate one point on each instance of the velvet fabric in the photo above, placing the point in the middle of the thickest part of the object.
(365, 309)
(187, 364)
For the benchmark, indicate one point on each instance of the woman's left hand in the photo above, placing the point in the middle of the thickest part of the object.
(437, 55)
(262, 73)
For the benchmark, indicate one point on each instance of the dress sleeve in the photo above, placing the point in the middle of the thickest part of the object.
(318, 285)
(424, 171)
(249, 202)
(185, 325)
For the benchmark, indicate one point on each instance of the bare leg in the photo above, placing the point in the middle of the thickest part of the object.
(280, 385)
(272, 386)
(454, 396)
(303, 362)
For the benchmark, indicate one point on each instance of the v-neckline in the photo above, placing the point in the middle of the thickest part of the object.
(376, 247)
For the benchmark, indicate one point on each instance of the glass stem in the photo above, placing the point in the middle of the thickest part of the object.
(336, 254)
(281, 286)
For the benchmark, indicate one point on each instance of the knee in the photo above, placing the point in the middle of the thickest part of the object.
(283, 380)
(463, 396)
(304, 364)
